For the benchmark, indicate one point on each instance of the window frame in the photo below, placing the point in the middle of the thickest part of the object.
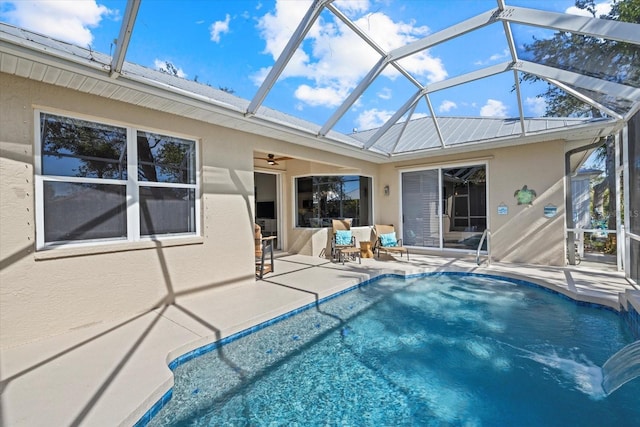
(296, 204)
(440, 167)
(132, 184)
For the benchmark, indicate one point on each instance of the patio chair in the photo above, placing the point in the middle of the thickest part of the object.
(387, 241)
(342, 237)
(262, 246)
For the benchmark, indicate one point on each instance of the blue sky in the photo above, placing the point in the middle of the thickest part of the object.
(232, 44)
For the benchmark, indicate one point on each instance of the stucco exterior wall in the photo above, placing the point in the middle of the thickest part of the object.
(524, 235)
(48, 292)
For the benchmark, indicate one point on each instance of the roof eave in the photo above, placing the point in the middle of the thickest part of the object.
(14, 50)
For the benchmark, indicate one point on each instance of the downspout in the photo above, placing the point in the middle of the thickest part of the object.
(571, 239)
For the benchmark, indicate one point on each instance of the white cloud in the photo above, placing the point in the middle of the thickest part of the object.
(601, 9)
(66, 20)
(333, 58)
(447, 106)
(493, 108)
(494, 58)
(537, 105)
(316, 96)
(373, 118)
(350, 7)
(218, 28)
(389, 34)
(161, 65)
(385, 93)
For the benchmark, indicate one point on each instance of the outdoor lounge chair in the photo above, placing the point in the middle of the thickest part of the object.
(262, 246)
(342, 237)
(387, 241)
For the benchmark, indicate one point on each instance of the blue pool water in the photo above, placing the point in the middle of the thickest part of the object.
(446, 350)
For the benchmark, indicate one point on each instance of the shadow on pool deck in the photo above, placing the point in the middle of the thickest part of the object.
(113, 372)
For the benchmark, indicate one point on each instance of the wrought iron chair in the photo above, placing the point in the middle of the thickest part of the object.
(262, 246)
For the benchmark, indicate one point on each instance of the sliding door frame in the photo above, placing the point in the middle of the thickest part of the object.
(440, 167)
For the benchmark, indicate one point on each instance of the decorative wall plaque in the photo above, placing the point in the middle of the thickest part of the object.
(550, 210)
(525, 195)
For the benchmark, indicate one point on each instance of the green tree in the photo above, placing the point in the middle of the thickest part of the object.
(604, 59)
(164, 159)
(82, 149)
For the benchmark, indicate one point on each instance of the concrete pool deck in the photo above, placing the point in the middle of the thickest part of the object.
(112, 373)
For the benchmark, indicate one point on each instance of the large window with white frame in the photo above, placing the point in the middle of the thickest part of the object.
(320, 199)
(98, 182)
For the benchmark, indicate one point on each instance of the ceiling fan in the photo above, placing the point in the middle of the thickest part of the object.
(273, 160)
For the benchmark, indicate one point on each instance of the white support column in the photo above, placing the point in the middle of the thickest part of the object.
(620, 238)
(626, 198)
(122, 44)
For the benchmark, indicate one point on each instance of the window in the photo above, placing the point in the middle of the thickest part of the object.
(97, 182)
(319, 199)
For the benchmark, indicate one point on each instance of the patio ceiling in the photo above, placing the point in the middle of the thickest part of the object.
(406, 133)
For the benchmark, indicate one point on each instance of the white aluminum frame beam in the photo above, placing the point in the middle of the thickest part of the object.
(292, 45)
(353, 96)
(580, 80)
(582, 97)
(398, 114)
(435, 120)
(122, 44)
(632, 112)
(364, 36)
(368, 79)
(458, 80)
(469, 77)
(404, 127)
(514, 57)
(442, 36)
(595, 27)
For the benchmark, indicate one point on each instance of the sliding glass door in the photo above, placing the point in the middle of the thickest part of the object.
(444, 207)
(420, 208)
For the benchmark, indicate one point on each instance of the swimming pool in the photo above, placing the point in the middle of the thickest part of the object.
(437, 350)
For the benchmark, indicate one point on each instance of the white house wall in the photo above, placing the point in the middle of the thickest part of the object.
(524, 235)
(49, 292)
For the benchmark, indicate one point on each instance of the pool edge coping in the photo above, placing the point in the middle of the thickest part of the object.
(163, 394)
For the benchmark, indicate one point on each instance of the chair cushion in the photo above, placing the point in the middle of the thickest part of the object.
(388, 240)
(343, 237)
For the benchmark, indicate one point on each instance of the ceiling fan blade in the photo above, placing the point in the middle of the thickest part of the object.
(272, 159)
